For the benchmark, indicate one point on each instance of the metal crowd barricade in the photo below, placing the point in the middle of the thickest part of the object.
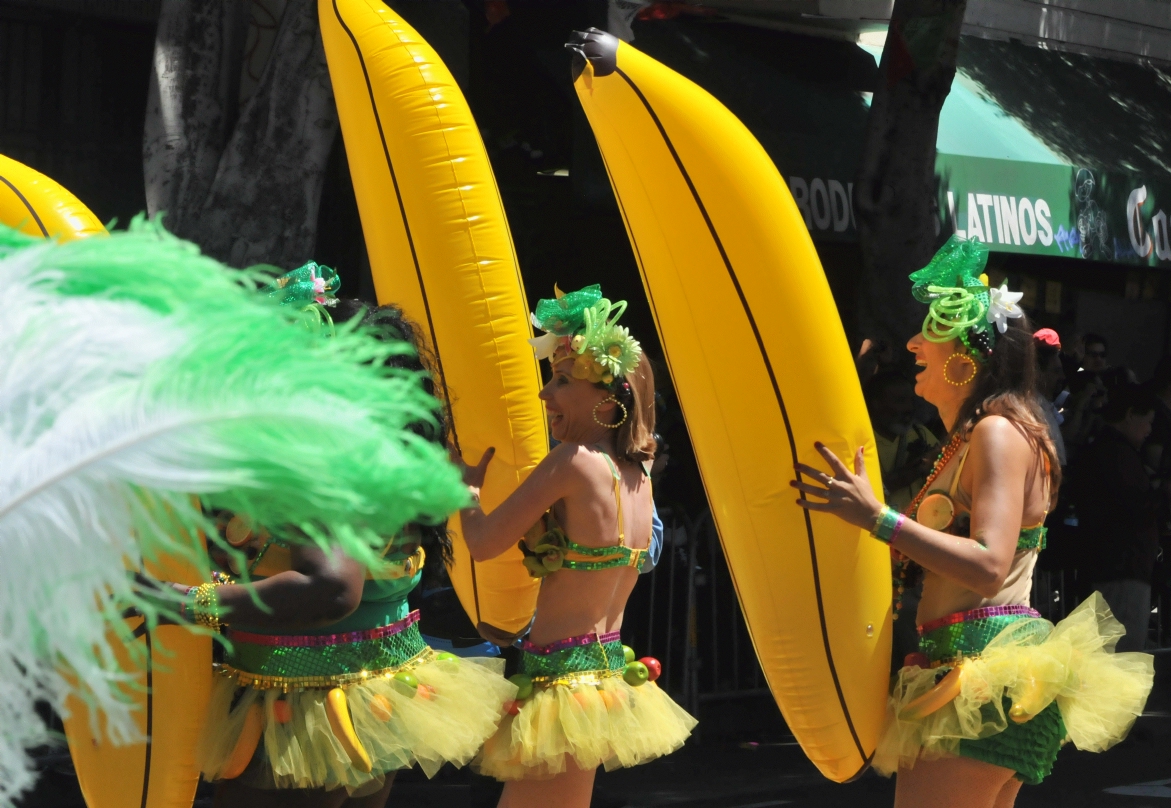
(693, 622)
(690, 619)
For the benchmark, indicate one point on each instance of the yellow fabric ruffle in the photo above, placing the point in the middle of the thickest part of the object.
(1033, 663)
(464, 707)
(612, 724)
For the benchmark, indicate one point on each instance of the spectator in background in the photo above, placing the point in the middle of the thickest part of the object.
(1095, 362)
(1117, 511)
(873, 357)
(1050, 381)
(1157, 451)
(906, 448)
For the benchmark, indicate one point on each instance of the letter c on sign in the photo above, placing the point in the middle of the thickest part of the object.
(1139, 239)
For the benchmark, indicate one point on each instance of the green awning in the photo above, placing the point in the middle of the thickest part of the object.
(1038, 152)
(1001, 183)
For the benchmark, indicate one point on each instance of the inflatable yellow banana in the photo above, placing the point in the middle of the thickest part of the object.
(440, 248)
(761, 365)
(174, 685)
(35, 204)
(172, 689)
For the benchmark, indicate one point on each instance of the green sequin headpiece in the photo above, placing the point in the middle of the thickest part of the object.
(961, 304)
(583, 326)
(306, 285)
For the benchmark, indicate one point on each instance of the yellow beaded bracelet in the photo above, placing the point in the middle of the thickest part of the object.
(206, 606)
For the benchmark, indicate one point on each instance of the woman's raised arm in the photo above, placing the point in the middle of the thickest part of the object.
(490, 534)
(999, 461)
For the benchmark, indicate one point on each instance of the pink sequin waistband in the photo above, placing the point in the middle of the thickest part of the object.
(977, 614)
(308, 640)
(570, 642)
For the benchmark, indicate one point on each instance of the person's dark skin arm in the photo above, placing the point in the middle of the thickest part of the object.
(320, 589)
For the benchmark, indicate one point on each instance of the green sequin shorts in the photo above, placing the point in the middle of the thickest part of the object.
(1029, 749)
(1003, 686)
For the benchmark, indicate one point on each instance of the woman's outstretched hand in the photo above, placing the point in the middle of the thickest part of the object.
(473, 475)
(847, 494)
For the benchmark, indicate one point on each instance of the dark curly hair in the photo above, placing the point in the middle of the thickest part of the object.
(389, 323)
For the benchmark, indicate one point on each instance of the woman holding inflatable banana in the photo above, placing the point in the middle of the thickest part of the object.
(583, 700)
(329, 688)
(995, 690)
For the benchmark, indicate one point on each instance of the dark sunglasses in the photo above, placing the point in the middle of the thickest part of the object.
(1096, 354)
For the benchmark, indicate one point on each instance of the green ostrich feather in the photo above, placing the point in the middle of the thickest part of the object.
(142, 379)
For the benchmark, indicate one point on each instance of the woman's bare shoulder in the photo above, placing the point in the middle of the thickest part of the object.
(997, 436)
(571, 460)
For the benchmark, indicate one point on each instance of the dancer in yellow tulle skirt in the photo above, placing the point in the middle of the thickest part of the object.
(994, 691)
(1018, 696)
(328, 688)
(582, 712)
(584, 701)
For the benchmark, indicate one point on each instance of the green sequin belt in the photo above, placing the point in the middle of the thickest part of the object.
(574, 661)
(266, 661)
(965, 634)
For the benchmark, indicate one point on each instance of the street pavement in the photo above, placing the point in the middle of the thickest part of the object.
(1135, 774)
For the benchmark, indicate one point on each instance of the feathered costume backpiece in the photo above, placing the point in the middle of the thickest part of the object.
(140, 381)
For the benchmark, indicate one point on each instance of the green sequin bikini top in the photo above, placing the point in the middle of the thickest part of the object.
(549, 553)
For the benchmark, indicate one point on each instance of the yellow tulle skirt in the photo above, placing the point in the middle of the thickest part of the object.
(610, 723)
(447, 720)
(1066, 678)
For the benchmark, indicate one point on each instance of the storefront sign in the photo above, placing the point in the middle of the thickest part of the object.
(1032, 208)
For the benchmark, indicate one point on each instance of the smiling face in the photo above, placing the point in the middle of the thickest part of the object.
(931, 382)
(571, 406)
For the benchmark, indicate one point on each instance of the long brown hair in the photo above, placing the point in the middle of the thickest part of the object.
(1006, 385)
(635, 439)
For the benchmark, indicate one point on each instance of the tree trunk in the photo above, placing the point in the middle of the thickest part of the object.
(241, 179)
(895, 197)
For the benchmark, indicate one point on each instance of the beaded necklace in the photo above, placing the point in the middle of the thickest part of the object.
(904, 568)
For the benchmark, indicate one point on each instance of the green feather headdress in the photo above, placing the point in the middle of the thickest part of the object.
(137, 376)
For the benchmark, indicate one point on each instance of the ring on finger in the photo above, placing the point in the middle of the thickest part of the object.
(830, 482)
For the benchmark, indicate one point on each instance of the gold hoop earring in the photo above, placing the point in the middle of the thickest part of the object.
(964, 358)
(625, 413)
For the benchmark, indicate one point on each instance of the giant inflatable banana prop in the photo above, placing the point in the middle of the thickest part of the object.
(173, 686)
(38, 206)
(440, 248)
(762, 369)
(172, 689)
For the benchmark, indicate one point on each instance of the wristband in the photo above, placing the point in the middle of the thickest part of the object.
(203, 605)
(887, 525)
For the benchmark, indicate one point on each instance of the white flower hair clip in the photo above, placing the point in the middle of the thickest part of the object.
(1003, 306)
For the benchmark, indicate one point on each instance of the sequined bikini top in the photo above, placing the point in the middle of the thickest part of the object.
(938, 511)
(550, 551)
(268, 556)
